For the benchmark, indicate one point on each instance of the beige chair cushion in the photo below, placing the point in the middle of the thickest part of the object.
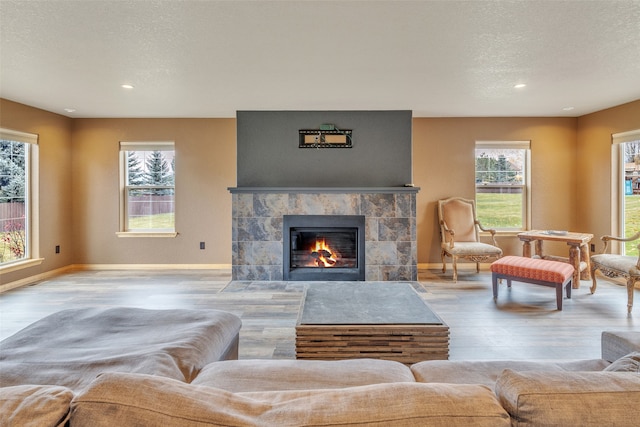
(276, 375)
(458, 216)
(34, 406)
(624, 264)
(471, 248)
(71, 347)
(570, 398)
(116, 399)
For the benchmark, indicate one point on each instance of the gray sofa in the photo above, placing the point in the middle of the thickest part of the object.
(71, 347)
(347, 393)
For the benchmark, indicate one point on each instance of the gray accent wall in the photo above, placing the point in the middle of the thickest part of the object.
(268, 153)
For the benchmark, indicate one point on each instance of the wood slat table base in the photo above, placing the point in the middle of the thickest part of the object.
(403, 343)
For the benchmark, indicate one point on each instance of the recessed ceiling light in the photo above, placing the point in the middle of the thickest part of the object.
(125, 86)
(70, 110)
(520, 86)
(567, 108)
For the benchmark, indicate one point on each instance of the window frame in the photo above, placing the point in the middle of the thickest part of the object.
(526, 186)
(32, 220)
(126, 146)
(617, 187)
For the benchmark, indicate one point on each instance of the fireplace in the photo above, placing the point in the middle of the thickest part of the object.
(390, 233)
(323, 247)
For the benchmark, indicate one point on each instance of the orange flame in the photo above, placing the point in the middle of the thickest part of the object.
(323, 255)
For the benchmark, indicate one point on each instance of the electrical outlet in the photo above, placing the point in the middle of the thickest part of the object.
(201, 245)
(57, 249)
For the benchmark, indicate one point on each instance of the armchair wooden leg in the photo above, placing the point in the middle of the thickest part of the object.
(630, 290)
(455, 270)
(593, 279)
(444, 264)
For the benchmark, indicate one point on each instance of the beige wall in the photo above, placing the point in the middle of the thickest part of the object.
(54, 147)
(205, 167)
(593, 157)
(444, 165)
(79, 180)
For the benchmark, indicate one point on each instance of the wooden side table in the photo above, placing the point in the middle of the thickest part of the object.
(579, 252)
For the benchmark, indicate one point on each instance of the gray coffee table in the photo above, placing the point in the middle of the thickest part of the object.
(381, 320)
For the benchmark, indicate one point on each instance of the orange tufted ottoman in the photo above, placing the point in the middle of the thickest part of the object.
(543, 272)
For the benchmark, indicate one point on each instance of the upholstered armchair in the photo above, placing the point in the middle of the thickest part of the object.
(612, 265)
(460, 234)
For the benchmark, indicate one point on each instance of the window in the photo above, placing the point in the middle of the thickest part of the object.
(628, 179)
(502, 177)
(148, 188)
(18, 197)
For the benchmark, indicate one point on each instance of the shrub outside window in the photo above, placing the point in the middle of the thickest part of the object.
(502, 184)
(148, 174)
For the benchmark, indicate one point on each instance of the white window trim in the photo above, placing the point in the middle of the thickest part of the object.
(138, 146)
(617, 185)
(526, 188)
(146, 234)
(147, 146)
(33, 195)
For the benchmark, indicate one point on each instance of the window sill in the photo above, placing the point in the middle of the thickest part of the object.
(21, 264)
(171, 234)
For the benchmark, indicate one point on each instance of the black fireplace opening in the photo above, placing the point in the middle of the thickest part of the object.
(323, 247)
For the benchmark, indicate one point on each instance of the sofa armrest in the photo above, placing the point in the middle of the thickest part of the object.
(616, 344)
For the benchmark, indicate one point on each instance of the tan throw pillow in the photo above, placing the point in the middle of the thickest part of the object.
(34, 405)
(537, 398)
(628, 363)
(116, 399)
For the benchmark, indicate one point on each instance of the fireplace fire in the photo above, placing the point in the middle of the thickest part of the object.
(323, 247)
(320, 247)
(322, 254)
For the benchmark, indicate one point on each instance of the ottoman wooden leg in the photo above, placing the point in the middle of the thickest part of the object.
(494, 283)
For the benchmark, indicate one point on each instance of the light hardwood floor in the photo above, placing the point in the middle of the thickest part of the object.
(524, 324)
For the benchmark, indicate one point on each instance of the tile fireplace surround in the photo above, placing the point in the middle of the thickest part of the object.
(390, 227)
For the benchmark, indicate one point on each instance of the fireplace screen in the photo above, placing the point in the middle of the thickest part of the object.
(320, 248)
(323, 247)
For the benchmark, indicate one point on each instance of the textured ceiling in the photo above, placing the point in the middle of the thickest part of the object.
(211, 58)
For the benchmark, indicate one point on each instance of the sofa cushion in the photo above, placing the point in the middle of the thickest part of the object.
(71, 347)
(628, 363)
(273, 375)
(487, 372)
(570, 398)
(136, 399)
(34, 405)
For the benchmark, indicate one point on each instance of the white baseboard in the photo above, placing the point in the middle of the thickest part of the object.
(87, 267)
(461, 266)
(36, 278)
